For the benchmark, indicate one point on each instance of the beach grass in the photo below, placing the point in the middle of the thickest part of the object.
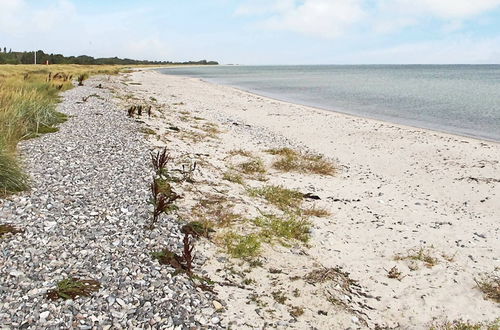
(279, 196)
(290, 160)
(28, 98)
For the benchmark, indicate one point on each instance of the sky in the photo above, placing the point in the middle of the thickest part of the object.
(259, 31)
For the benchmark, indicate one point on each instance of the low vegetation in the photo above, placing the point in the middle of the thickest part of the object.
(5, 229)
(252, 166)
(28, 98)
(422, 254)
(490, 286)
(242, 246)
(233, 176)
(291, 160)
(283, 228)
(72, 288)
(466, 325)
(214, 210)
(283, 198)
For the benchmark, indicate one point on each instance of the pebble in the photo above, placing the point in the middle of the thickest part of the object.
(84, 217)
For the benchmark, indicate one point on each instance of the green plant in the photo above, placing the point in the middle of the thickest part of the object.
(71, 288)
(197, 229)
(81, 78)
(167, 257)
(296, 311)
(279, 296)
(163, 198)
(242, 246)
(291, 160)
(252, 166)
(279, 196)
(233, 177)
(287, 227)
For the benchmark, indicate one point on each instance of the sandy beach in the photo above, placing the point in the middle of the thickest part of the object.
(395, 228)
(398, 190)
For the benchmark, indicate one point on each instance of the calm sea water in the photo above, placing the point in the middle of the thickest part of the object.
(460, 99)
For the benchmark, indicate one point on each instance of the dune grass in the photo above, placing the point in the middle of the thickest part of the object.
(28, 98)
(281, 197)
(290, 160)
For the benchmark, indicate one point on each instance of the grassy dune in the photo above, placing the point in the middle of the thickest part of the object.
(28, 107)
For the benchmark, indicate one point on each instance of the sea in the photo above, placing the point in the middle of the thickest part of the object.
(457, 99)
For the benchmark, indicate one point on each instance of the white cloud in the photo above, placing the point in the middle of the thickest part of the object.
(326, 18)
(334, 18)
(444, 9)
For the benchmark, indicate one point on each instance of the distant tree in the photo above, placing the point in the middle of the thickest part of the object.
(5, 49)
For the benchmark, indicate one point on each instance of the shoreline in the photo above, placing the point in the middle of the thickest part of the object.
(339, 111)
(395, 234)
(399, 189)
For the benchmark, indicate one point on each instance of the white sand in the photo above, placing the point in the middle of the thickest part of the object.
(398, 189)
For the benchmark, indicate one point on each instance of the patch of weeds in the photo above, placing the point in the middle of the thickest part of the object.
(134, 83)
(179, 103)
(291, 160)
(255, 263)
(490, 286)
(153, 99)
(147, 130)
(163, 198)
(394, 273)
(193, 136)
(71, 288)
(169, 258)
(159, 160)
(449, 258)
(275, 271)
(422, 255)
(241, 152)
(5, 229)
(252, 166)
(279, 196)
(232, 176)
(197, 229)
(288, 227)
(336, 275)
(198, 118)
(296, 293)
(466, 325)
(316, 212)
(248, 281)
(242, 246)
(296, 311)
(254, 298)
(211, 129)
(216, 210)
(279, 296)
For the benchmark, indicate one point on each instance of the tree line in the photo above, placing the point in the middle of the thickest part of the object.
(15, 57)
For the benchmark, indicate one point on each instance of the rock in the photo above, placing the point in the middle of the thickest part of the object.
(217, 305)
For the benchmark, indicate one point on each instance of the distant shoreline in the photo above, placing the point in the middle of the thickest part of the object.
(388, 120)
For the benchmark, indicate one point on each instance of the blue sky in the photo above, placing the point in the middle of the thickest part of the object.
(259, 31)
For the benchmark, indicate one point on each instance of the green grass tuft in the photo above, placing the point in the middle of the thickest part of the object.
(242, 246)
(279, 196)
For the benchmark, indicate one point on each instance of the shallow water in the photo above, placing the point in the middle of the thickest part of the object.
(460, 99)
